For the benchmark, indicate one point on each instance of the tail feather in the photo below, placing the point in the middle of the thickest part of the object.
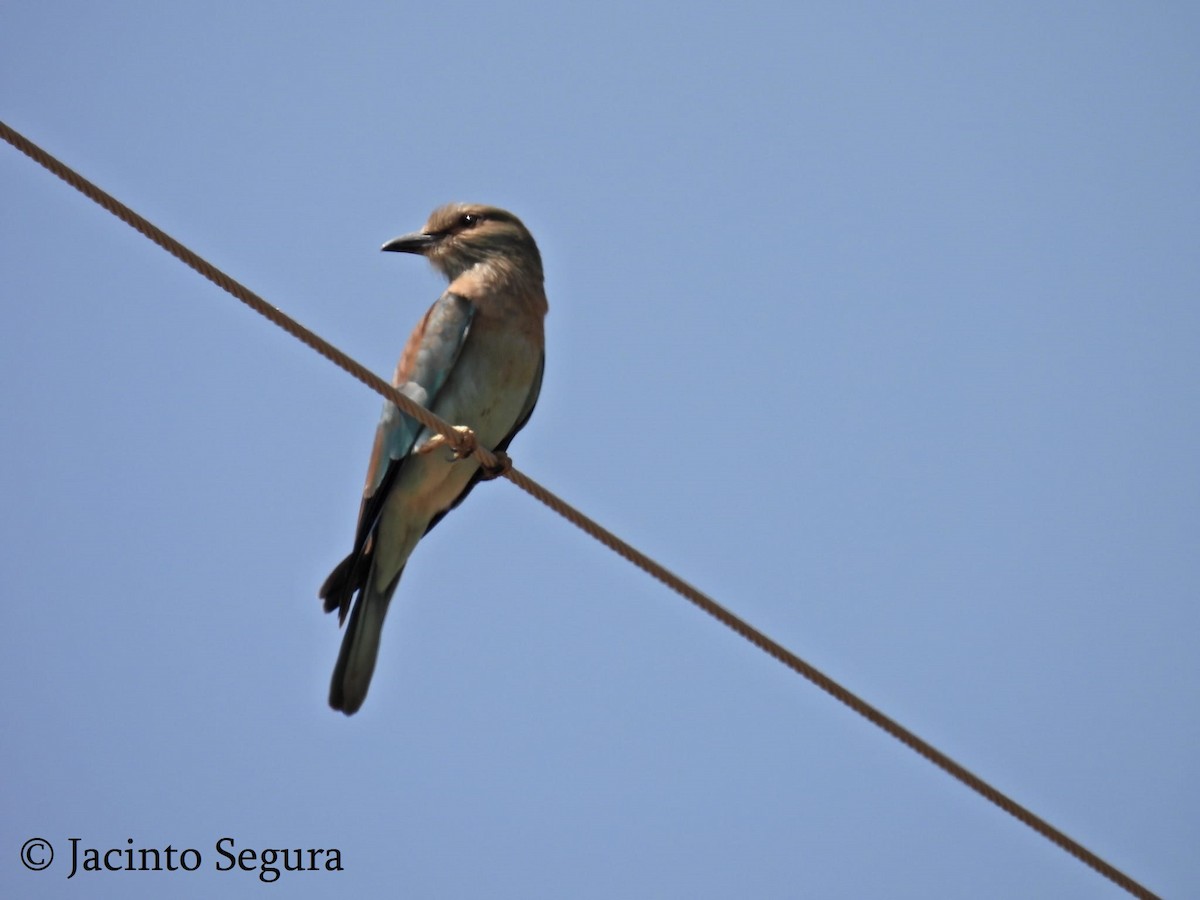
(348, 576)
(360, 647)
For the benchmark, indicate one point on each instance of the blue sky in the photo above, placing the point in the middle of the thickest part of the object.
(879, 324)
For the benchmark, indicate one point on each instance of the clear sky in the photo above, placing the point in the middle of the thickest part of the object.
(879, 322)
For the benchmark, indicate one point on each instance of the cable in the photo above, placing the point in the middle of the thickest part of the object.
(575, 517)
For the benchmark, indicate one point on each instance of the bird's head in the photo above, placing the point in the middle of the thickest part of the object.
(459, 236)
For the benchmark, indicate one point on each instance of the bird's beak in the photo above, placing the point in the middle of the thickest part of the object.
(417, 242)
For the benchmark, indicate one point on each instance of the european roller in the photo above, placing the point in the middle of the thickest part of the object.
(476, 360)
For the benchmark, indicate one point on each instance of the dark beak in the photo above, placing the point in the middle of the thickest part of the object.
(417, 242)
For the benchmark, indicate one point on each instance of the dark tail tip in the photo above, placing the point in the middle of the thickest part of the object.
(344, 700)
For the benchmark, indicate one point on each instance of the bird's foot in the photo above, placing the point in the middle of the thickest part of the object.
(464, 445)
(460, 447)
(503, 464)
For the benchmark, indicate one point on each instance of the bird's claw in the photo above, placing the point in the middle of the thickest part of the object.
(460, 447)
(503, 465)
(464, 445)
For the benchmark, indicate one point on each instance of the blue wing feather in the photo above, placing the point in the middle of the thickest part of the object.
(427, 361)
(419, 377)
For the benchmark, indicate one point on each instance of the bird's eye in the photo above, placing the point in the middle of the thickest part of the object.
(468, 220)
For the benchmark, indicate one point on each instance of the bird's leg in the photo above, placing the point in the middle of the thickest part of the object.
(460, 447)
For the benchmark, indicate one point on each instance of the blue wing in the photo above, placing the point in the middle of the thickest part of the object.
(424, 367)
(427, 361)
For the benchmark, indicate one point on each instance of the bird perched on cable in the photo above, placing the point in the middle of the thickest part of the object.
(475, 360)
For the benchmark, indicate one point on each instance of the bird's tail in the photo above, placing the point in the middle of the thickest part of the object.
(360, 646)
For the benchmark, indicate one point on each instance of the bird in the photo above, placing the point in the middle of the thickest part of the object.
(476, 360)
